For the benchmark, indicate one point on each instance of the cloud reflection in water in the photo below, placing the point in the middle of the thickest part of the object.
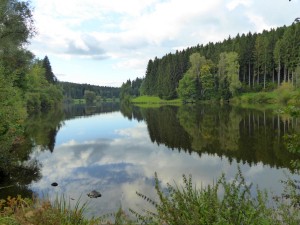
(120, 159)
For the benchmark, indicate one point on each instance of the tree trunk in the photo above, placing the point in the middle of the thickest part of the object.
(278, 74)
(258, 76)
(265, 74)
(284, 73)
(249, 74)
(296, 80)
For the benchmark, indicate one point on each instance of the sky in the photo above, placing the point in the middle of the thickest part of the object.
(107, 42)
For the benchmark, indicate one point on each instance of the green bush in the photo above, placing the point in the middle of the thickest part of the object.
(263, 97)
(284, 92)
(225, 202)
(222, 203)
(33, 102)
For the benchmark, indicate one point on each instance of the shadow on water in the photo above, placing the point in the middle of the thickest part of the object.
(17, 168)
(81, 110)
(246, 135)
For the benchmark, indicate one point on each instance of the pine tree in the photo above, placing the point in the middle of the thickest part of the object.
(49, 75)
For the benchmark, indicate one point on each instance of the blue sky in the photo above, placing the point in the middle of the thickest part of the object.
(106, 42)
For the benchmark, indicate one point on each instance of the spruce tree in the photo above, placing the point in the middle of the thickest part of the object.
(49, 75)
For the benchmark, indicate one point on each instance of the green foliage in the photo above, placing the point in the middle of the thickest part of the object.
(187, 88)
(198, 82)
(206, 84)
(16, 22)
(89, 96)
(131, 89)
(12, 113)
(247, 63)
(76, 91)
(284, 92)
(258, 98)
(23, 89)
(288, 203)
(49, 75)
(226, 202)
(229, 74)
(153, 101)
(40, 94)
(197, 62)
(126, 91)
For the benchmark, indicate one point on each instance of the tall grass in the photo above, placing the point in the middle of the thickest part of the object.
(43, 212)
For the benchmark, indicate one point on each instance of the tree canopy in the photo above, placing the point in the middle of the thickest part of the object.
(247, 62)
(24, 84)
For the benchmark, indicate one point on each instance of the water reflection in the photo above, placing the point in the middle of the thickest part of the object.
(118, 155)
(249, 136)
(81, 110)
(18, 169)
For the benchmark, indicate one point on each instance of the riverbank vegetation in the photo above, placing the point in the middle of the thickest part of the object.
(285, 94)
(27, 87)
(154, 100)
(224, 202)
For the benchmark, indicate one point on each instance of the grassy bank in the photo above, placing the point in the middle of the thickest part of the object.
(154, 101)
(283, 95)
(223, 202)
(83, 101)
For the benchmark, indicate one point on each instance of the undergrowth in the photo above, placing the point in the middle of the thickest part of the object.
(224, 202)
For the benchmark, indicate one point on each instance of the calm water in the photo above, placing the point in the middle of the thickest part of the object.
(117, 150)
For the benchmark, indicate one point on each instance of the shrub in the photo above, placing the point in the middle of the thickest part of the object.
(284, 92)
(33, 102)
(222, 203)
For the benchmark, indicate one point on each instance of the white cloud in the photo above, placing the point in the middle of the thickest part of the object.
(258, 22)
(235, 3)
(129, 32)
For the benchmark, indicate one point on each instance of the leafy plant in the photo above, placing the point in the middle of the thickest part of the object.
(221, 203)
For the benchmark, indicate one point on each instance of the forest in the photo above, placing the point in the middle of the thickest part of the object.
(78, 91)
(249, 62)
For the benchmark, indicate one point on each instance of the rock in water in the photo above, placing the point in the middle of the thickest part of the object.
(94, 194)
(54, 184)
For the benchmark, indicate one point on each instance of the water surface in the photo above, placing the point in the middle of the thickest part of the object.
(117, 151)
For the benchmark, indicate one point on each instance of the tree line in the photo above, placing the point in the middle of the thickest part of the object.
(87, 91)
(245, 63)
(27, 84)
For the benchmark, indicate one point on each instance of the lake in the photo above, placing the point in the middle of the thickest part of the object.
(116, 149)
